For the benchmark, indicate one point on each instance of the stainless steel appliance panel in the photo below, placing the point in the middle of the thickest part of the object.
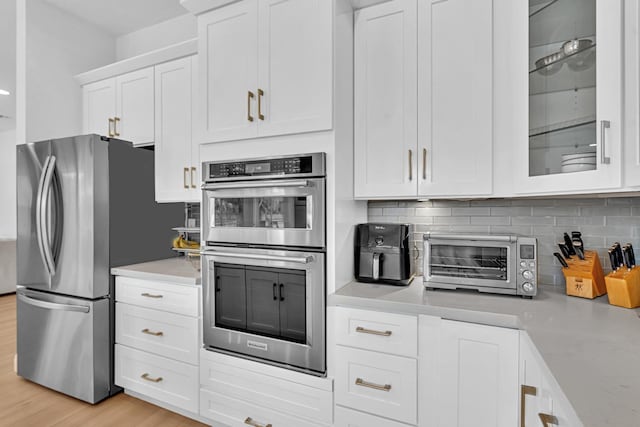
(63, 343)
(307, 355)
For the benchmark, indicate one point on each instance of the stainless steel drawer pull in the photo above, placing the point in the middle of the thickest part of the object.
(155, 334)
(410, 165)
(373, 332)
(363, 383)
(250, 422)
(604, 125)
(146, 377)
(548, 419)
(148, 295)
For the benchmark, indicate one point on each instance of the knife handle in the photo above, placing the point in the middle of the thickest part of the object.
(632, 255)
(627, 257)
(569, 243)
(619, 255)
(613, 258)
(561, 259)
(579, 252)
(564, 250)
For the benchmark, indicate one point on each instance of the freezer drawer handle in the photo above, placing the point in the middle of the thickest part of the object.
(150, 332)
(148, 295)
(146, 377)
(373, 332)
(52, 305)
(249, 421)
(363, 383)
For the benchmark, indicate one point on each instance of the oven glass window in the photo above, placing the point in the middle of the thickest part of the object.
(474, 262)
(262, 212)
(260, 300)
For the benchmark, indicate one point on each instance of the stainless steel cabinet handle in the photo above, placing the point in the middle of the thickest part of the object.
(524, 391)
(250, 96)
(410, 165)
(249, 421)
(373, 332)
(363, 383)
(548, 419)
(185, 172)
(260, 95)
(52, 305)
(111, 123)
(115, 126)
(146, 376)
(299, 260)
(424, 163)
(604, 125)
(193, 170)
(149, 332)
(148, 295)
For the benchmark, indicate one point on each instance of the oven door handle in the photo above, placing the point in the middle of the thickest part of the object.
(477, 237)
(300, 260)
(256, 184)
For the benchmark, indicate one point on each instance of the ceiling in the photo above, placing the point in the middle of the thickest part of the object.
(8, 63)
(116, 17)
(119, 17)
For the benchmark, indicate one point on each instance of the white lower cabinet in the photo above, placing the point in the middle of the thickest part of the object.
(349, 418)
(241, 392)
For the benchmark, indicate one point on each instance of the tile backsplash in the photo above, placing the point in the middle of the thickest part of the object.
(602, 221)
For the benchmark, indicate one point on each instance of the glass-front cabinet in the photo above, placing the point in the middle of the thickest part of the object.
(574, 97)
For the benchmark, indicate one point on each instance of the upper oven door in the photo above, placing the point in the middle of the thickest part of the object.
(282, 212)
(470, 262)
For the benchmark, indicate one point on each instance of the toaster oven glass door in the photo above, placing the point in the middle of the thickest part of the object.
(484, 264)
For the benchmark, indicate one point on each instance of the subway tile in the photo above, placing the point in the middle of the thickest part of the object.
(490, 220)
(623, 220)
(605, 211)
(579, 220)
(533, 202)
(523, 230)
(451, 220)
(635, 211)
(383, 204)
(623, 201)
(415, 219)
(556, 211)
(393, 219)
(399, 211)
(491, 202)
(374, 211)
(484, 229)
(449, 203)
(477, 211)
(433, 211)
(511, 211)
(533, 220)
(573, 201)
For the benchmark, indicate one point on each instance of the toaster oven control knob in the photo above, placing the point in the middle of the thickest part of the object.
(527, 274)
(527, 287)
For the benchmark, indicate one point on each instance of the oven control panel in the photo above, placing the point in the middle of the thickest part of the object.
(302, 165)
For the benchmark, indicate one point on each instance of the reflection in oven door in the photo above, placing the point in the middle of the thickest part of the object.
(266, 304)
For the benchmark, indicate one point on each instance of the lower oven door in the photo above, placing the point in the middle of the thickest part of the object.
(266, 304)
(473, 263)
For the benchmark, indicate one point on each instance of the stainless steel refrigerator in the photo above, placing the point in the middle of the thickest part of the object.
(85, 204)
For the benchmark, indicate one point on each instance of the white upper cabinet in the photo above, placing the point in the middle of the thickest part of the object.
(266, 69)
(121, 107)
(632, 93)
(176, 157)
(455, 103)
(385, 126)
(574, 63)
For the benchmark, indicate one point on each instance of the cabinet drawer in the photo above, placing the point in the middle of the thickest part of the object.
(348, 418)
(372, 330)
(381, 384)
(166, 334)
(239, 413)
(167, 380)
(180, 299)
(279, 389)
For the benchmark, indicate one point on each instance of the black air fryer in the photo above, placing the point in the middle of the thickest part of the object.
(382, 253)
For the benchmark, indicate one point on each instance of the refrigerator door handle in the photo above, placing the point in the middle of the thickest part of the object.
(52, 305)
(39, 210)
(44, 217)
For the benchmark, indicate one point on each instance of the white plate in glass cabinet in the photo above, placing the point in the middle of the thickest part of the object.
(572, 51)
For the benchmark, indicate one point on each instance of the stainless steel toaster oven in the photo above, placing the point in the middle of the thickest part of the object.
(503, 264)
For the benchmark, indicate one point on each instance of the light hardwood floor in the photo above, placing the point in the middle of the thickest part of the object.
(23, 403)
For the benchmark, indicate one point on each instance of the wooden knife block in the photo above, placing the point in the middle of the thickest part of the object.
(623, 287)
(585, 278)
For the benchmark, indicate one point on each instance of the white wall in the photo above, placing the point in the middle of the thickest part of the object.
(157, 36)
(8, 185)
(54, 46)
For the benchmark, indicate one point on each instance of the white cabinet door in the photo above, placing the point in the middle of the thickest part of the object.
(173, 132)
(227, 45)
(574, 102)
(196, 175)
(295, 66)
(99, 107)
(134, 107)
(385, 163)
(478, 375)
(455, 86)
(632, 93)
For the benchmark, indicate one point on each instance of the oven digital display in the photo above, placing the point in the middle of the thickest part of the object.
(527, 252)
(251, 168)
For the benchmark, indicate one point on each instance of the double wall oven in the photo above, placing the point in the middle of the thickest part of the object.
(263, 261)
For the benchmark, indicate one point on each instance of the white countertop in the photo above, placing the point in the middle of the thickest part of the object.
(175, 270)
(592, 348)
